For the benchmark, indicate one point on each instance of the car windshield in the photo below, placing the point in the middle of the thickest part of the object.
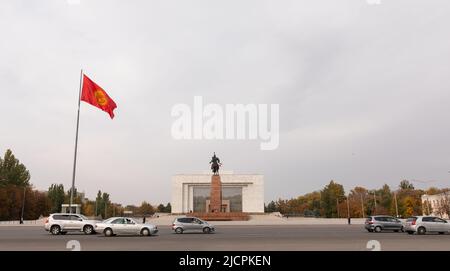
(411, 219)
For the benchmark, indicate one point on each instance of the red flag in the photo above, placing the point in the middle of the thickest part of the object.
(95, 95)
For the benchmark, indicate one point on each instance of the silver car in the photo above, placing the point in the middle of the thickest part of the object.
(182, 224)
(378, 223)
(424, 224)
(124, 225)
(62, 223)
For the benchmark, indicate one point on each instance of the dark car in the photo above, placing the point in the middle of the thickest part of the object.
(379, 223)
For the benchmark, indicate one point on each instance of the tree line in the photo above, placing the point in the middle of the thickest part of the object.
(333, 202)
(17, 197)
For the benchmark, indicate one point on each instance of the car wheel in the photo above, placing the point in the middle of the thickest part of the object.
(402, 229)
(179, 230)
(410, 232)
(206, 230)
(88, 229)
(369, 230)
(441, 232)
(55, 230)
(377, 229)
(145, 232)
(421, 230)
(108, 232)
(396, 230)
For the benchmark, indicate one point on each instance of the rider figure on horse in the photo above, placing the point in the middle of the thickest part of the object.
(215, 164)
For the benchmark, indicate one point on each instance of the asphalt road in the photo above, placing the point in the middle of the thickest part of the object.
(253, 238)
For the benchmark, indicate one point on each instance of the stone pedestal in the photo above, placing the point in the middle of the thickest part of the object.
(218, 209)
(215, 203)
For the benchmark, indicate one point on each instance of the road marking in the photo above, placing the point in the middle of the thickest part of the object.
(373, 245)
(73, 245)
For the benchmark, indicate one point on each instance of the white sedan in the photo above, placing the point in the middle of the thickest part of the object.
(124, 225)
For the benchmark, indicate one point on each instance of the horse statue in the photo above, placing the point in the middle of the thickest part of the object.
(215, 164)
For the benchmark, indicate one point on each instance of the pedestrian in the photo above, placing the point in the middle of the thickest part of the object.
(349, 220)
(143, 220)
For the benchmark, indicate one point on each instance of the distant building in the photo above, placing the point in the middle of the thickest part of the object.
(240, 192)
(128, 213)
(76, 208)
(436, 205)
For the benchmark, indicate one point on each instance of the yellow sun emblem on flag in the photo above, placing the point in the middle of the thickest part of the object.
(100, 97)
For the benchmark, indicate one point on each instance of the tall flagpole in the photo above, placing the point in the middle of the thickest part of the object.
(76, 145)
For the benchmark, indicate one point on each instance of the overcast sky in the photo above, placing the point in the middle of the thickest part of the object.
(364, 90)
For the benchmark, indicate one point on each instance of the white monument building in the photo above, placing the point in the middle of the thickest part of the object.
(240, 192)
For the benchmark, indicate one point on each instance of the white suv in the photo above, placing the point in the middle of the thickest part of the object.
(62, 223)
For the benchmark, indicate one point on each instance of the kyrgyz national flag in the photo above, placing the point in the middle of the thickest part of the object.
(96, 96)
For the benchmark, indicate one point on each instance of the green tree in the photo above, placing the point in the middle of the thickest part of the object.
(406, 185)
(98, 204)
(56, 195)
(385, 200)
(271, 207)
(168, 208)
(12, 172)
(161, 208)
(331, 195)
(105, 205)
(310, 204)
